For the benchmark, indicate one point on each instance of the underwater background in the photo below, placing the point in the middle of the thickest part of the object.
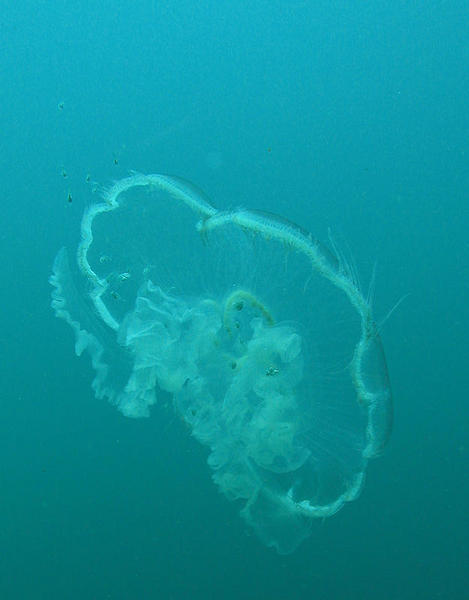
(347, 116)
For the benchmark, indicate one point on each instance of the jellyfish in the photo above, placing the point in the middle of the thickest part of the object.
(258, 333)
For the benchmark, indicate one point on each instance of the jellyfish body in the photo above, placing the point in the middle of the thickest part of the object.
(260, 334)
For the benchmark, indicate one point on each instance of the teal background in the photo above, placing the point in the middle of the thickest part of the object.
(340, 114)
